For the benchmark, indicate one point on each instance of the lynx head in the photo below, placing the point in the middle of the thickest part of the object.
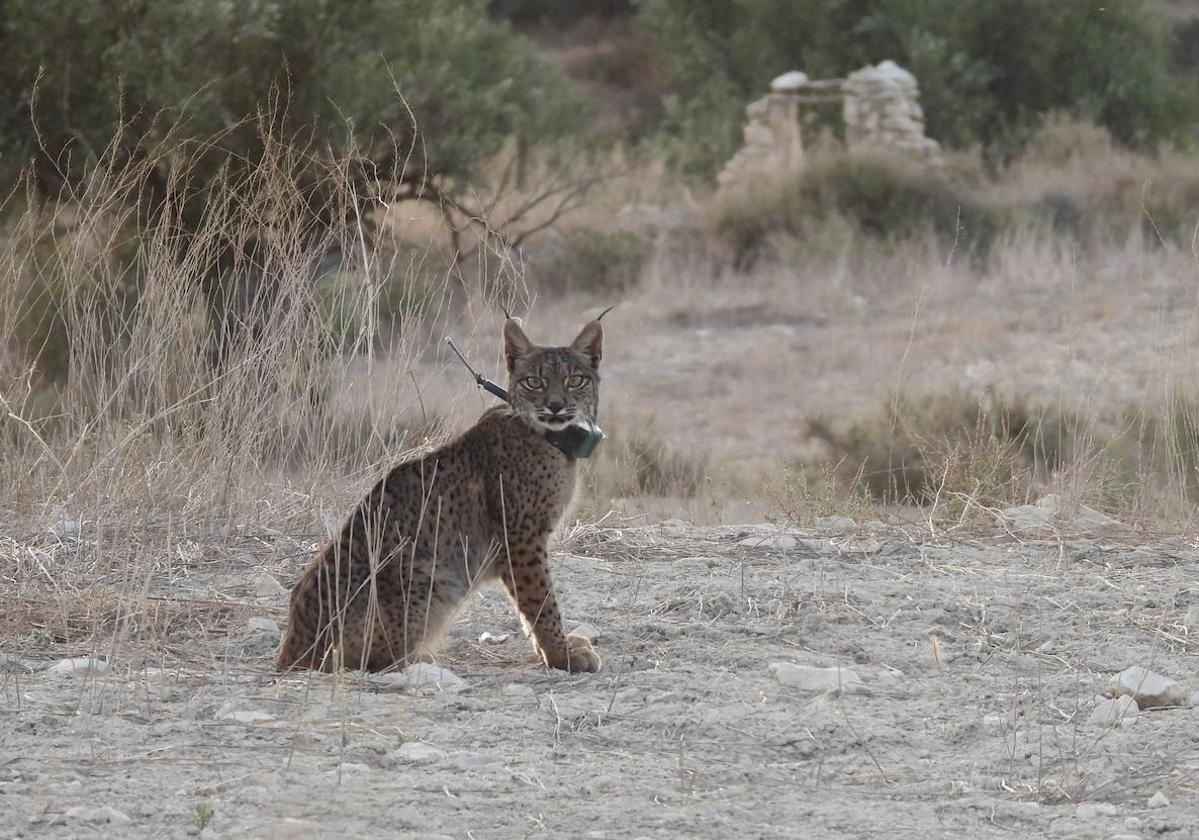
(554, 387)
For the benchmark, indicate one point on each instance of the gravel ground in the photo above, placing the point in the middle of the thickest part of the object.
(968, 670)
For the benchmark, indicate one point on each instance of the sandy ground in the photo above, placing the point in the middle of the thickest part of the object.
(686, 733)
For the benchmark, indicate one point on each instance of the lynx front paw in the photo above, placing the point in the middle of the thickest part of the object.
(579, 656)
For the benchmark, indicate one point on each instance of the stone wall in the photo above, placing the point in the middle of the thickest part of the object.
(772, 144)
(883, 114)
(880, 106)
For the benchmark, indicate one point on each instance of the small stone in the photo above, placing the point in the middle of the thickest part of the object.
(1113, 712)
(245, 715)
(418, 753)
(1026, 518)
(783, 543)
(266, 586)
(587, 631)
(836, 523)
(1106, 809)
(263, 624)
(421, 675)
(79, 667)
(489, 638)
(789, 82)
(1158, 800)
(102, 815)
(1047, 648)
(347, 768)
(1149, 689)
(65, 529)
(812, 678)
(1132, 822)
(1085, 811)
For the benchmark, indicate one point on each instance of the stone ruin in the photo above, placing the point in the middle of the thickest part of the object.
(880, 106)
(883, 114)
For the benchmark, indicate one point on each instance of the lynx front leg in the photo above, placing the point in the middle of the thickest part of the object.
(526, 576)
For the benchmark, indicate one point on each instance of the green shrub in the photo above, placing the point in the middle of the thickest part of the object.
(424, 86)
(874, 197)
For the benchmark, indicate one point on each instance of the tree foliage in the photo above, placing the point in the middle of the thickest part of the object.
(431, 85)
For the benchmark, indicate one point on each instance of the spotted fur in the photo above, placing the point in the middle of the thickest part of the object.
(481, 508)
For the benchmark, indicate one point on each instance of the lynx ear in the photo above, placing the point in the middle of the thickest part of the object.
(590, 342)
(516, 343)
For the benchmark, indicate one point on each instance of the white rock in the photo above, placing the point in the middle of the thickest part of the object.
(1158, 800)
(783, 543)
(264, 624)
(421, 675)
(1026, 517)
(489, 638)
(812, 678)
(102, 815)
(838, 523)
(419, 753)
(1105, 809)
(1047, 647)
(587, 631)
(1147, 688)
(245, 715)
(789, 82)
(80, 666)
(266, 586)
(1091, 521)
(65, 529)
(1113, 712)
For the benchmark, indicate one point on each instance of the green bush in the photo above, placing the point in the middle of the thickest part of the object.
(874, 197)
(423, 86)
(989, 70)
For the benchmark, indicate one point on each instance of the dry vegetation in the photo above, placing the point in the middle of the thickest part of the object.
(861, 343)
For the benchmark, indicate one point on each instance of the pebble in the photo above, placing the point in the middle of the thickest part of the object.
(65, 529)
(784, 543)
(96, 815)
(812, 678)
(419, 753)
(421, 675)
(587, 631)
(1047, 647)
(1158, 800)
(489, 638)
(248, 716)
(1090, 810)
(263, 624)
(1113, 712)
(1147, 688)
(266, 586)
(836, 523)
(80, 666)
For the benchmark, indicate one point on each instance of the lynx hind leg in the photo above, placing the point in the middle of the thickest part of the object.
(527, 580)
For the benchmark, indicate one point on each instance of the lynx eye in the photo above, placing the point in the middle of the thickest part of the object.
(575, 381)
(533, 383)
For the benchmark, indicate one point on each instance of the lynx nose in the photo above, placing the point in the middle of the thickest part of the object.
(555, 406)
